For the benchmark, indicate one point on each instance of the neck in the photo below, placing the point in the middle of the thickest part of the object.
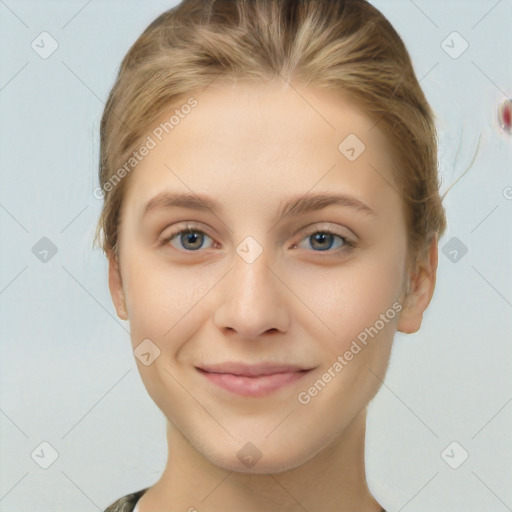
(333, 480)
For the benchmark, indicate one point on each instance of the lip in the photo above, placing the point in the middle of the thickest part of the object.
(252, 380)
(252, 370)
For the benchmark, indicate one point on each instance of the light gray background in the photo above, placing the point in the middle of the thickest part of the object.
(68, 376)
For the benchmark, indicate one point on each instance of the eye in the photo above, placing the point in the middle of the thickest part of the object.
(322, 240)
(191, 239)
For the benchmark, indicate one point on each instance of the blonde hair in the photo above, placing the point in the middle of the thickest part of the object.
(342, 45)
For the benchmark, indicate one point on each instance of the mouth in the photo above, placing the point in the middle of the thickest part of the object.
(253, 380)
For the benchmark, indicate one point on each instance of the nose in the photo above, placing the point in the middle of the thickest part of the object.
(253, 299)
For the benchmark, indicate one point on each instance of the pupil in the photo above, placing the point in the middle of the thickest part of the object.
(322, 237)
(190, 237)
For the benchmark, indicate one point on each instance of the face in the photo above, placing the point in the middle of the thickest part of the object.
(252, 282)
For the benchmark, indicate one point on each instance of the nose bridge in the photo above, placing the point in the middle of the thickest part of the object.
(250, 303)
(252, 277)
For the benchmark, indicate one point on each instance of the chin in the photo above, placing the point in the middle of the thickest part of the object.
(267, 460)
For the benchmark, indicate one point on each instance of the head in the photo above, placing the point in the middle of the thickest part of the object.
(245, 106)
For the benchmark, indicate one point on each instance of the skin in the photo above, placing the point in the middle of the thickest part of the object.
(296, 303)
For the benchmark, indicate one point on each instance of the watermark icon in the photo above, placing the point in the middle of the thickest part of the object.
(351, 147)
(249, 455)
(44, 250)
(304, 397)
(454, 249)
(44, 45)
(454, 45)
(454, 455)
(146, 352)
(44, 455)
(249, 249)
(151, 142)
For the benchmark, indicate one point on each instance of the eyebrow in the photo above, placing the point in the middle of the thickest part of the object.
(293, 206)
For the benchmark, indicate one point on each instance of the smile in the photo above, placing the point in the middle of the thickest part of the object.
(253, 386)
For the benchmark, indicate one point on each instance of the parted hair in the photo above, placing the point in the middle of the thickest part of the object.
(344, 45)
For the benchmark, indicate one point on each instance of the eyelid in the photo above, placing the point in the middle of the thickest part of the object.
(180, 228)
(324, 228)
(349, 242)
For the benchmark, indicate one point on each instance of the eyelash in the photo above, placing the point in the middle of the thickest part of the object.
(190, 228)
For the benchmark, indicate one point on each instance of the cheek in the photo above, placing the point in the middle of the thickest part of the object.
(161, 298)
(338, 301)
(348, 302)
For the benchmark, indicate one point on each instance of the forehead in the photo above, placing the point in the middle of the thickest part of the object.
(254, 143)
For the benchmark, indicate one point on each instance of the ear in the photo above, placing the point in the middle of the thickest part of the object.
(423, 282)
(116, 286)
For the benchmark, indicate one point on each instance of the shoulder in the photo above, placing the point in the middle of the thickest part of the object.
(126, 503)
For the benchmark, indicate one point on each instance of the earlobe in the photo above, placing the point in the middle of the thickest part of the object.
(422, 288)
(116, 286)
